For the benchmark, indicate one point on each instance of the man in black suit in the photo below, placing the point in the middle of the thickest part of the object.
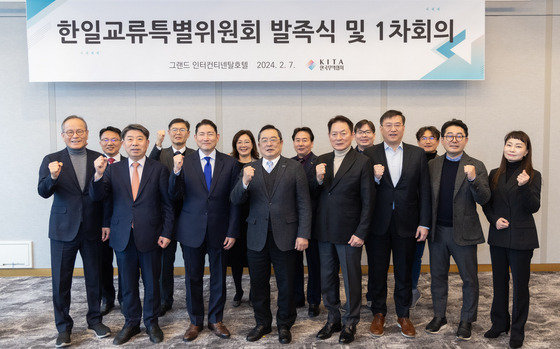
(207, 225)
(141, 225)
(401, 217)
(179, 132)
(279, 225)
(303, 144)
(74, 225)
(110, 142)
(344, 179)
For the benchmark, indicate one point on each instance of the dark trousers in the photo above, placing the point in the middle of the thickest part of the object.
(313, 275)
(107, 286)
(378, 248)
(63, 257)
(259, 270)
(167, 278)
(194, 273)
(520, 263)
(441, 249)
(417, 265)
(133, 263)
(348, 259)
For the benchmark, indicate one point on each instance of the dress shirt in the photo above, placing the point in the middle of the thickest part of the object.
(116, 157)
(394, 162)
(140, 168)
(182, 150)
(212, 156)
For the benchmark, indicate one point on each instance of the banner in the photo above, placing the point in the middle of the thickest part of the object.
(248, 40)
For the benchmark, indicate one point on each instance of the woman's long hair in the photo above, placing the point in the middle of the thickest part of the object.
(235, 153)
(526, 162)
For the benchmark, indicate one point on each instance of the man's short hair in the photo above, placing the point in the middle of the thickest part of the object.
(455, 122)
(362, 123)
(341, 118)
(206, 122)
(303, 129)
(389, 114)
(269, 127)
(136, 127)
(70, 118)
(432, 129)
(109, 128)
(179, 121)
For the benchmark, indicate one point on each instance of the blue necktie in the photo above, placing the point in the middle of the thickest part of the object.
(208, 172)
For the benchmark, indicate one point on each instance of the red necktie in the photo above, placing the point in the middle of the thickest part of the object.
(111, 160)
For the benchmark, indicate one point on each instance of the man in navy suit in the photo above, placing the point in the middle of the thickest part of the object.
(141, 225)
(74, 225)
(208, 224)
(179, 132)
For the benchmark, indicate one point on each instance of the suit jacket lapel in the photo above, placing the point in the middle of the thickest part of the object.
(197, 167)
(124, 168)
(405, 161)
(386, 174)
(146, 173)
(281, 169)
(218, 167)
(346, 164)
(461, 175)
(436, 176)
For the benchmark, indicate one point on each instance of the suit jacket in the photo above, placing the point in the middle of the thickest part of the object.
(345, 201)
(108, 203)
(165, 156)
(411, 195)
(517, 205)
(151, 212)
(466, 224)
(206, 212)
(309, 168)
(288, 207)
(71, 206)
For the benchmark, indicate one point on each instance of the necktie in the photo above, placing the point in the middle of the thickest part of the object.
(208, 172)
(135, 180)
(268, 166)
(177, 153)
(110, 160)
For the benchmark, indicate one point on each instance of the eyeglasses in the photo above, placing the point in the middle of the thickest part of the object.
(177, 130)
(458, 137)
(70, 133)
(112, 140)
(432, 138)
(364, 133)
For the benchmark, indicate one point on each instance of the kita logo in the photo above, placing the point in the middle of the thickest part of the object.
(311, 65)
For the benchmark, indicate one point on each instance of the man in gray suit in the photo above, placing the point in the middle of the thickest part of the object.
(459, 182)
(279, 225)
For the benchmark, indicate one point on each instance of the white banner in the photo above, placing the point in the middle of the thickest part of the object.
(248, 40)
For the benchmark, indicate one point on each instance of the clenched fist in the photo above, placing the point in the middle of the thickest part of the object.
(55, 167)
(470, 171)
(100, 165)
(321, 170)
(523, 178)
(378, 171)
(248, 174)
(160, 137)
(177, 163)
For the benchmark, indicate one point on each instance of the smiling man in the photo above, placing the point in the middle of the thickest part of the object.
(364, 134)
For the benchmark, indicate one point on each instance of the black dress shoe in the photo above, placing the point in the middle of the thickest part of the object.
(106, 308)
(313, 310)
(347, 334)
(492, 333)
(164, 309)
(284, 335)
(464, 331)
(155, 333)
(327, 330)
(235, 303)
(256, 333)
(125, 334)
(515, 343)
(437, 324)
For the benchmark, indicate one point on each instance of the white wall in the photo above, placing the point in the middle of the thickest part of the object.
(521, 91)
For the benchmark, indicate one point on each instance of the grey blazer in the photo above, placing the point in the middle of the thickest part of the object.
(288, 208)
(466, 224)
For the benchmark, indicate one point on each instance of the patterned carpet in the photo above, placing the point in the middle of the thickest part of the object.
(27, 321)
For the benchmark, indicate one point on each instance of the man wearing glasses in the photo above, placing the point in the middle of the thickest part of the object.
(364, 135)
(459, 182)
(179, 132)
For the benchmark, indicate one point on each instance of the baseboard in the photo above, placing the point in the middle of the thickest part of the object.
(546, 267)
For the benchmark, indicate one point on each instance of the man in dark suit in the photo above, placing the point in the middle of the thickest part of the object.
(74, 225)
(141, 225)
(401, 218)
(459, 182)
(208, 224)
(303, 144)
(179, 132)
(110, 142)
(279, 225)
(344, 179)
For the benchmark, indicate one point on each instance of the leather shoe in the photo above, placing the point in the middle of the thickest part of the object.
(377, 325)
(313, 310)
(106, 308)
(63, 340)
(437, 324)
(256, 333)
(284, 335)
(329, 328)
(515, 343)
(407, 328)
(492, 333)
(347, 334)
(155, 333)
(235, 303)
(125, 334)
(464, 331)
(191, 333)
(219, 329)
(164, 309)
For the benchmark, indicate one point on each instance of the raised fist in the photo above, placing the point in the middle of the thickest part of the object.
(55, 167)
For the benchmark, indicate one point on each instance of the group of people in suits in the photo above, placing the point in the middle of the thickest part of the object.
(243, 210)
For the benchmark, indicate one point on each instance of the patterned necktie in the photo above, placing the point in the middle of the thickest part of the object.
(269, 166)
(208, 172)
(135, 180)
(111, 160)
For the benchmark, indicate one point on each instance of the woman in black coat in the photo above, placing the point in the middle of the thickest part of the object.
(516, 196)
